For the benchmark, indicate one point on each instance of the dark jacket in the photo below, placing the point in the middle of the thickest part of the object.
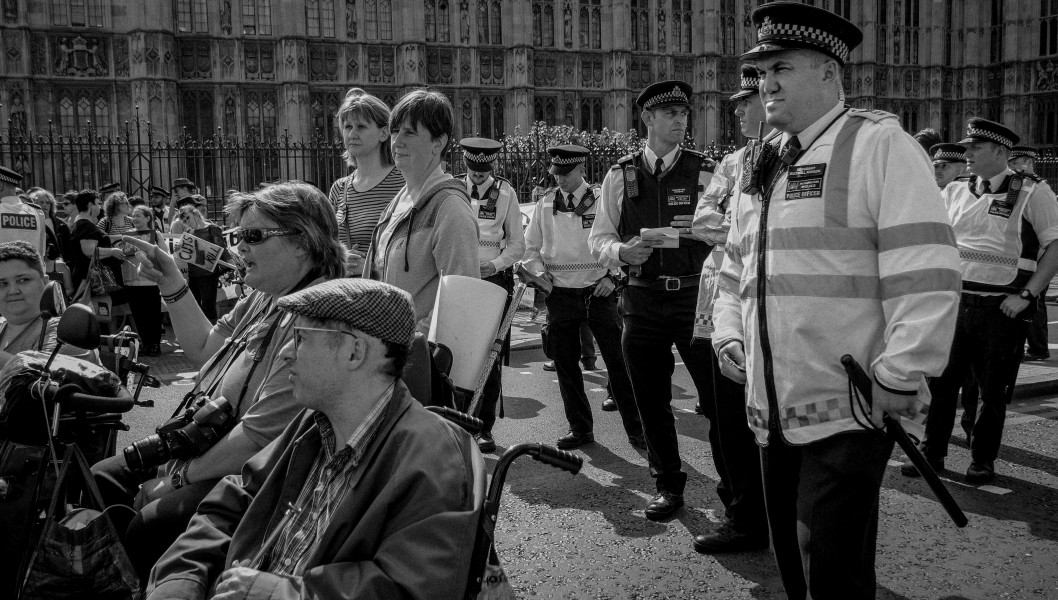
(405, 528)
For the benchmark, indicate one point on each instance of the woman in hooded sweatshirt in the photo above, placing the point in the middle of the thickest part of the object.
(429, 229)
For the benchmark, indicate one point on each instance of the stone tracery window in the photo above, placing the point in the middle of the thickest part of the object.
(256, 17)
(319, 16)
(191, 16)
(77, 13)
(640, 15)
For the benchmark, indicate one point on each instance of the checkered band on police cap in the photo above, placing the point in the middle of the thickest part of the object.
(789, 25)
(1029, 151)
(948, 152)
(749, 83)
(983, 130)
(110, 187)
(378, 309)
(478, 157)
(669, 97)
(10, 176)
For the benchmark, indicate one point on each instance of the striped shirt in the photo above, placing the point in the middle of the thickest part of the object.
(116, 226)
(358, 212)
(324, 489)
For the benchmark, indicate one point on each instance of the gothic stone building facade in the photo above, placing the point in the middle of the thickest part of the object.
(272, 67)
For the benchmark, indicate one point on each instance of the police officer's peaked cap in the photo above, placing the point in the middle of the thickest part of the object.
(1029, 151)
(378, 309)
(947, 153)
(792, 25)
(183, 182)
(480, 153)
(566, 158)
(157, 191)
(110, 187)
(665, 93)
(983, 130)
(749, 83)
(10, 176)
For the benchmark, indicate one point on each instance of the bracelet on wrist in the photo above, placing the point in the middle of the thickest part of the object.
(174, 298)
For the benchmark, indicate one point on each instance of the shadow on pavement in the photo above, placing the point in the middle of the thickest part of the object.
(519, 407)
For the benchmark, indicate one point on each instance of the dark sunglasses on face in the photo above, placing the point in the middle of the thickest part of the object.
(256, 236)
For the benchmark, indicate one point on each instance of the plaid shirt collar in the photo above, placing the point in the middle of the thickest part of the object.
(357, 443)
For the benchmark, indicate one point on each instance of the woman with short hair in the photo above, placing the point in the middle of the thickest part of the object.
(86, 237)
(429, 229)
(288, 239)
(359, 198)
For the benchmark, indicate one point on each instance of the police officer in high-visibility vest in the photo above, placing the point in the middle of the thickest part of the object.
(584, 292)
(643, 225)
(1002, 222)
(1023, 159)
(745, 525)
(838, 245)
(158, 199)
(19, 220)
(501, 243)
(948, 163)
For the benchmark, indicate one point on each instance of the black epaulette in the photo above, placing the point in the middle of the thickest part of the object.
(963, 177)
(503, 179)
(33, 204)
(1033, 177)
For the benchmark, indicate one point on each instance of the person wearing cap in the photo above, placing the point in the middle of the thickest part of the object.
(157, 199)
(837, 246)
(204, 283)
(948, 163)
(648, 200)
(183, 187)
(18, 220)
(745, 525)
(107, 189)
(1005, 223)
(584, 292)
(383, 490)
(501, 243)
(1023, 159)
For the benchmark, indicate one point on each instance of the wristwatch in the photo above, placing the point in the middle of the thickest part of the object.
(1026, 294)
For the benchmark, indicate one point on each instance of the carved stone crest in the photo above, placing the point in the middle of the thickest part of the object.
(81, 57)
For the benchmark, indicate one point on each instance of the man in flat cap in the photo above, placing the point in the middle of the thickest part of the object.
(107, 189)
(745, 525)
(382, 490)
(838, 245)
(501, 243)
(19, 220)
(949, 162)
(1005, 223)
(643, 226)
(584, 292)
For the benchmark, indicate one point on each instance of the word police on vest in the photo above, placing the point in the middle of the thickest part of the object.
(10, 221)
(668, 236)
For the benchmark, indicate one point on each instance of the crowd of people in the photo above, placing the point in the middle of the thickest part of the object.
(825, 235)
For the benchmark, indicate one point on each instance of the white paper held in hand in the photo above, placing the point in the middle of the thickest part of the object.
(668, 236)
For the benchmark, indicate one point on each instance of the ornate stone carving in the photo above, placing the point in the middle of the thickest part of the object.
(39, 54)
(81, 57)
(661, 30)
(196, 60)
(1046, 75)
(121, 56)
(350, 19)
(464, 22)
(227, 56)
(323, 62)
(225, 17)
(567, 24)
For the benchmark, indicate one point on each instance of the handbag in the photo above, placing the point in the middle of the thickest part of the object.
(95, 295)
(79, 554)
(102, 277)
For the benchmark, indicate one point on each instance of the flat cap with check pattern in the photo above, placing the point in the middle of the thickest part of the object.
(983, 130)
(566, 158)
(110, 187)
(665, 93)
(183, 182)
(1029, 151)
(749, 83)
(792, 25)
(947, 153)
(10, 176)
(480, 153)
(378, 309)
(158, 191)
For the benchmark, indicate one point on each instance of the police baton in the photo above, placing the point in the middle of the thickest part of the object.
(895, 430)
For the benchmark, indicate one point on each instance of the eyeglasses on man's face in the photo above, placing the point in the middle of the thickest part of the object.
(299, 331)
(256, 236)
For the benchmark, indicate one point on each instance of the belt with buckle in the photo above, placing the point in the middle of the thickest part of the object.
(665, 282)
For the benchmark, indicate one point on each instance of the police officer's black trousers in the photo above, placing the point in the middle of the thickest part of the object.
(568, 309)
(992, 344)
(822, 501)
(490, 395)
(654, 320)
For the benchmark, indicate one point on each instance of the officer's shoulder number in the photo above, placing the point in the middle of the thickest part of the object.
(624, 160)
(871, 115)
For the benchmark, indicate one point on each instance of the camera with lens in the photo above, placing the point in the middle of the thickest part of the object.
(187, 435)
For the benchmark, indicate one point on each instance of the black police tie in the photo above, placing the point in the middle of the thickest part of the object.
(791, 152)
(986, 187)
(571, 201)
(474, 194)
(659, 166)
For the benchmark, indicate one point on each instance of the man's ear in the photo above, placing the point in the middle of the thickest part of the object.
(647, 117)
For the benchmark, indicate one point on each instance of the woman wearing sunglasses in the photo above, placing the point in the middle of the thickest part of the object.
(428, 229)
(287, 236)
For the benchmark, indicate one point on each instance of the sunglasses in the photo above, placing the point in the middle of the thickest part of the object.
(256, 236)
(298, 331)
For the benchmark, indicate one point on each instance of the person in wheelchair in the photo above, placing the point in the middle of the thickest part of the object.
(22, 283)
(288, 238)
(365, 495)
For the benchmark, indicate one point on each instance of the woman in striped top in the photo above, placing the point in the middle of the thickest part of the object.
(359, 199)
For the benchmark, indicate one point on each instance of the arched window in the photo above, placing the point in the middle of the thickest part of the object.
(77, 13)
(191, 16)
(640, 25)
(1048, 27)
(378, 20)
(319, 15)
(256, 17)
